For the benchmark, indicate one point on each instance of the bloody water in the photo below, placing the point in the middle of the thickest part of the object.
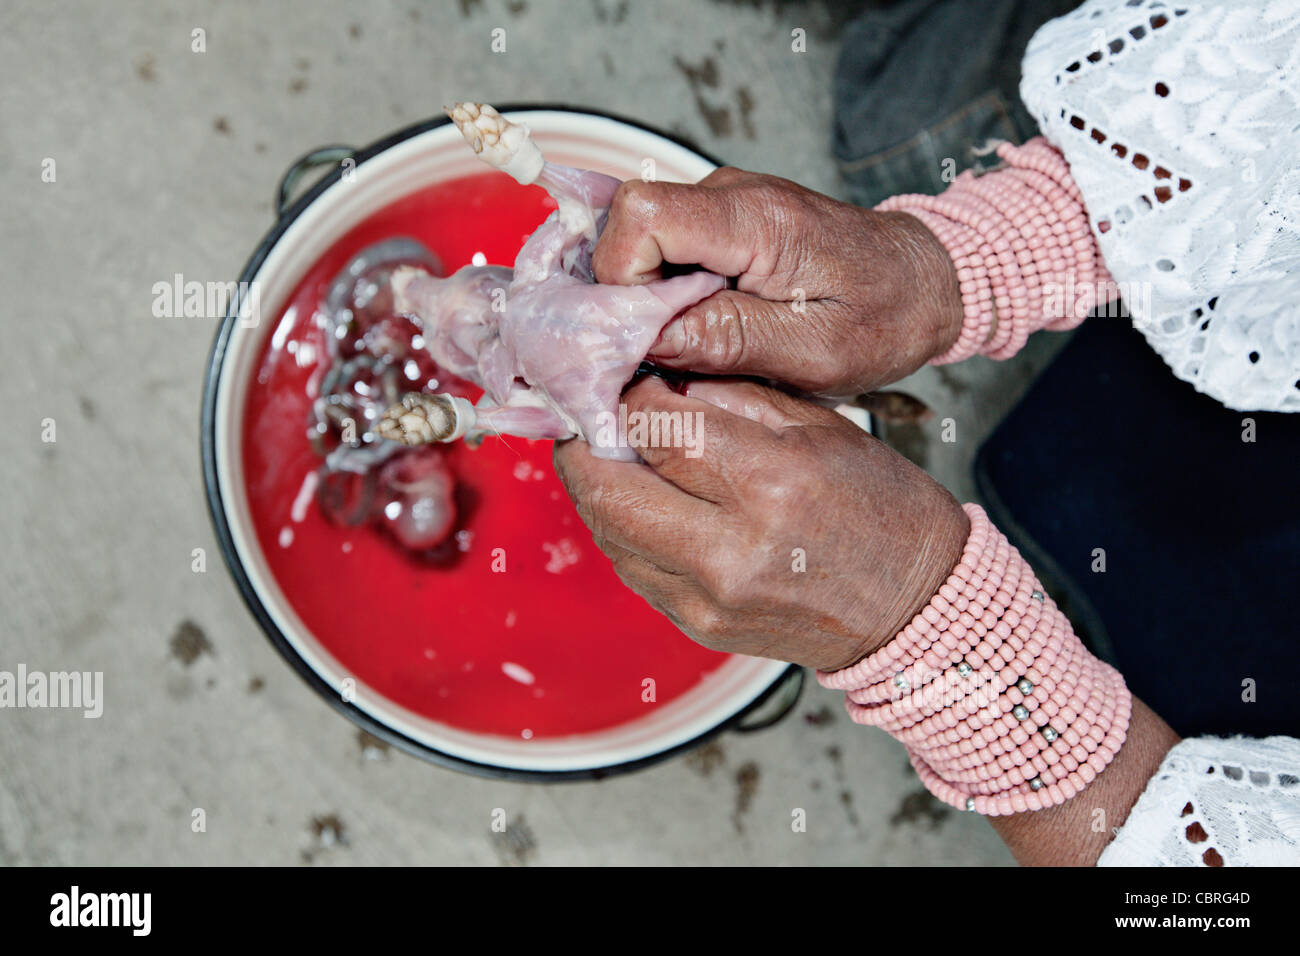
(555, 644)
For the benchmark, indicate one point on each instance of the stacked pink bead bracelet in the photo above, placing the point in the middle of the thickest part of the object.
(1020, 240)
(1001, 707)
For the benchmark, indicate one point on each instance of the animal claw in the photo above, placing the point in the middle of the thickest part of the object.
(420, 419)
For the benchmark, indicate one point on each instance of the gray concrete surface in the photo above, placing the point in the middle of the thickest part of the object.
(165, 161)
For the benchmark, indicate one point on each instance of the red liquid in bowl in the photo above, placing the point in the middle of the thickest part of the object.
(555, 644)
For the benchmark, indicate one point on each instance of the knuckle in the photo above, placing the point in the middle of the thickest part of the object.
(776, 192)
(715, 331)
(734, 593)
(706, 625)
(728, 345)
(779, 199)
(774, 491)
(778, 491)
(729, 583)
(767, 478)
(785, 217)
(725, 175)
(635, 200)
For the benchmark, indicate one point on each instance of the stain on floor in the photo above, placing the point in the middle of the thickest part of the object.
(846, 801)
(836, 757)
(615, 13)
(893, 407)
(517, 845)
(328, 831)
(703, 76)
(189, 643)
(745, 106)
(820, 717)
(705, 759)
(921, 808)
(747, 778)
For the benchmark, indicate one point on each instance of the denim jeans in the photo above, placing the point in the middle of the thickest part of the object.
(920, 83)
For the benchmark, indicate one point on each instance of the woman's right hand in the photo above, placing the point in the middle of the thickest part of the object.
(830, 298)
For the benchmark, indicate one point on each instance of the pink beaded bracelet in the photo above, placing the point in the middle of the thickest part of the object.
(1022, 246)
(1000, 706)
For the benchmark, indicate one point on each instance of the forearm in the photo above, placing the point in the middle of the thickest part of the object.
(1075, 833)
(1005, 712)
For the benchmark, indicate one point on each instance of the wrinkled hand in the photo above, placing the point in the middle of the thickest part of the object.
(793, 534)
(830, 298)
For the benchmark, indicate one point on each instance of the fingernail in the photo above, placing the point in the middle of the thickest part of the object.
(671, 341)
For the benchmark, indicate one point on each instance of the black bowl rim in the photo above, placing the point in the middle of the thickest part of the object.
(216, 507)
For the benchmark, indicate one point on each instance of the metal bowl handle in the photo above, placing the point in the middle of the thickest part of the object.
(780, 701)
(321, 156)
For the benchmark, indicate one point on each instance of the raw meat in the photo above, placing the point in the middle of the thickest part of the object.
(418, 504)
(373, 356)
(550, 347)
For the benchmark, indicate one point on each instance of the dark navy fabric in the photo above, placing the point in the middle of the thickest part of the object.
(1201, 530)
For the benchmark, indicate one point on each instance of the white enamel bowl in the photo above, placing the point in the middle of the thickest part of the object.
(357, 184)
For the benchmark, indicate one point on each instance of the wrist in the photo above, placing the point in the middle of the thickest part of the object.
(941, 536)
(936, 539)
(1068, 835)
(1000, 705)
(940, 313)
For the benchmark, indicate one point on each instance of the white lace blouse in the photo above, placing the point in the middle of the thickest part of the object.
(1217, 802)
(1181, 124)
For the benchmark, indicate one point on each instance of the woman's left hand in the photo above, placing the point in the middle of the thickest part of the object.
(783, 531)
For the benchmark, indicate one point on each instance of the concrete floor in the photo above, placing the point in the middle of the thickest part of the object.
(165, 162)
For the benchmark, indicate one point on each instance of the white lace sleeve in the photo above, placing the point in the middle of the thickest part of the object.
(1216, 802)
(1181, 124)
